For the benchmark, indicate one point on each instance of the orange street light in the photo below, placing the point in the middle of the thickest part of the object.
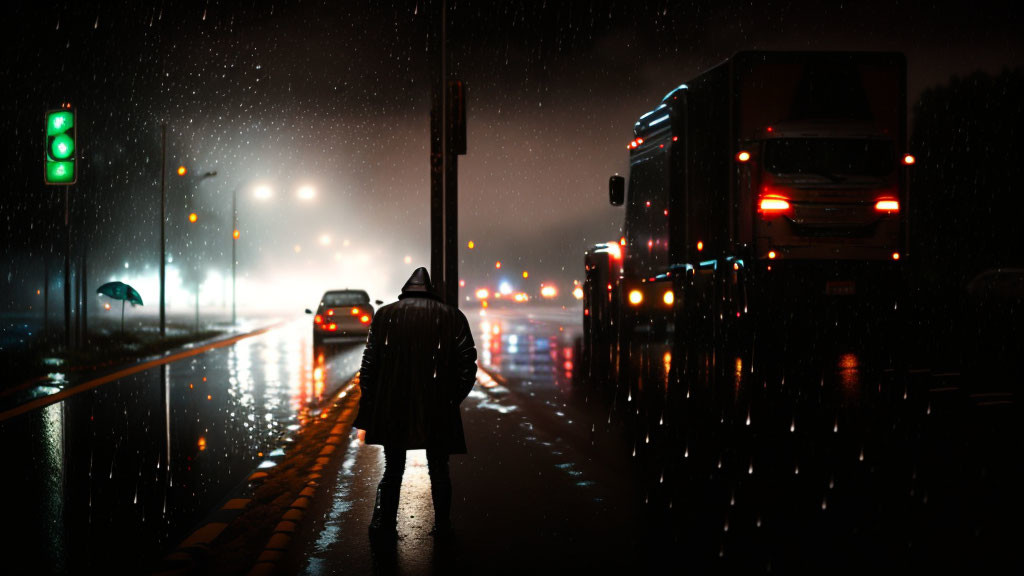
(193, 217)
(182, 170)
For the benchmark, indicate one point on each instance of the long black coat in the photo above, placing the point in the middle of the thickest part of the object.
(419, 365)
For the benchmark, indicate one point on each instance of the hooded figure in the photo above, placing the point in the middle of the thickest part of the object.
(418, 366)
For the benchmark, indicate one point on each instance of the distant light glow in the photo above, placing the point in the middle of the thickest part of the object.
(526, 274)
(505, 288)
(262, 192)
(407, 260)
(482, 294)
(548, 291)
(307, 193)
(743, 156)
(193, 217)
(669, 297)
(887, 206)
(325, 240)
(497, 265)
(182, 170)
(909, 160)
(577, 293)
(471, 245)
(635, 297)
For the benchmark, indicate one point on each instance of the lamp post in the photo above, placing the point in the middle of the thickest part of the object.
(193, 218)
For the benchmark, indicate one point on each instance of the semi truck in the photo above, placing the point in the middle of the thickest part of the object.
(769, 184)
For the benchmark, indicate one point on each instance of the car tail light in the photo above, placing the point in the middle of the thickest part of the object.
(318, 319)
(355, 311)
(365, 319)
(332, 327)
(330, 311)
(887, 205)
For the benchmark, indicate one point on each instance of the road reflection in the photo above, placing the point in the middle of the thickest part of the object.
(115, 475)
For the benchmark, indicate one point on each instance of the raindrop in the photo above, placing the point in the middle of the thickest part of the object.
(792, 425)
(796, 470)
(647, 439)
(824, 503)
(758, 522)
(725, 527)
(835, 427)
(686, 453)
(96, 25)
(719, 462)
(748, 417)
(928, 411)
(861, 458)
(732, 499)
(750, 469)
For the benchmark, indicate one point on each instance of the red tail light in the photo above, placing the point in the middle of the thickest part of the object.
(887, 205)
(330, 311)
(364, 319)
(318, 319)
(332, 327)
(772, 204)
(355, 311)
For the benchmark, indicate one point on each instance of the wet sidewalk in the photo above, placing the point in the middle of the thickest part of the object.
(534, 494)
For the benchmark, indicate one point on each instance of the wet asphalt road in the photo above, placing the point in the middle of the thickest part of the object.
(820, 454)
(110, 478)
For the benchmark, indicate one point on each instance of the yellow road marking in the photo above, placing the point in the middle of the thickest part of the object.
(85, 387)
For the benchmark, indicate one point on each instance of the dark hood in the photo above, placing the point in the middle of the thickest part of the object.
(418, 286)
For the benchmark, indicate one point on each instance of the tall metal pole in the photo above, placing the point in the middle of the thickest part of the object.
(67, 269)
(163, 222)
(436, 34)
(234, 242)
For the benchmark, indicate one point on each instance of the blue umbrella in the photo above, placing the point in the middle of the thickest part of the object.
(123, 292)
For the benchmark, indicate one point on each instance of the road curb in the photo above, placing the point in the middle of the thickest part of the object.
(198, 552)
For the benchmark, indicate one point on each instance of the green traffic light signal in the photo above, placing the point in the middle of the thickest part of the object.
(59, 157)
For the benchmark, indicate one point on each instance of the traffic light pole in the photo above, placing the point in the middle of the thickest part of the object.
(67, 268)
(163, 223)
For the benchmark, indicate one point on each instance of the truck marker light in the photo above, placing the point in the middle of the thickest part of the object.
(769, 129)
(887, 206)
(771, 254)
(895, 255)
(675, 138)
(622, 241)
(908, 159)
(700, 246)
(669, 297)
(635, 297)
(773, 204)
(743, 156)
(609, 287)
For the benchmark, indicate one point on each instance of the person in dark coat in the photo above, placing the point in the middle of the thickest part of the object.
(418, 366)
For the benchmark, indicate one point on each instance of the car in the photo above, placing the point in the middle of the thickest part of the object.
(342, 316)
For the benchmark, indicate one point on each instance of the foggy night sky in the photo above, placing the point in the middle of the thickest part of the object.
(335, 95)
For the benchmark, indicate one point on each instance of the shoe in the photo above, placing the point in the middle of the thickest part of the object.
(441, 494)
(384, 524)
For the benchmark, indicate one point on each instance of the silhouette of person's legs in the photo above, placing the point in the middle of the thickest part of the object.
(440, 490)
(385, 508)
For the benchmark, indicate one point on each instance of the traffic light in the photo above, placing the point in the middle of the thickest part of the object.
(60, 158)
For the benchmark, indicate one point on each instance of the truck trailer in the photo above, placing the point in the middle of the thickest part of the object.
(770, 184)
